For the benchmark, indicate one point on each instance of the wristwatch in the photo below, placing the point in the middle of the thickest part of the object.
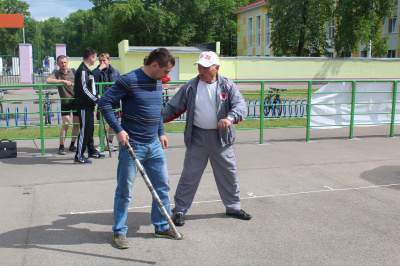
(230, 118)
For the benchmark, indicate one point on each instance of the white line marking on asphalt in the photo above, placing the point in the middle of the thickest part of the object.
(252, 196)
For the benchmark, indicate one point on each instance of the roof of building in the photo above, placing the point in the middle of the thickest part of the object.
(255, 5)
(172, 49)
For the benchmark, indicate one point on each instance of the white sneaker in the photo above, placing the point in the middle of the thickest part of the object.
(112, 148)
(98, 148)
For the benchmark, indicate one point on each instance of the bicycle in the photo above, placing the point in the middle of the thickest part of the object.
(2, 116)
(47, 107)
(274, 105)
(165, 98)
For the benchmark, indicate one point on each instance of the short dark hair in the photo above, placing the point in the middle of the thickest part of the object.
(61, 57)
(162, 56)
(88, 52)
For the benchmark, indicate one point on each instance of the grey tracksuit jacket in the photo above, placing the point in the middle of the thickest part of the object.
(229, 101)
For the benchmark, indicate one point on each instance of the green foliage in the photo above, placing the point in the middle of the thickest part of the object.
(52, 33)
(299, 26)
(33, 33)
(172, 23)
(360, 22)
(83, 28)
(10, 38)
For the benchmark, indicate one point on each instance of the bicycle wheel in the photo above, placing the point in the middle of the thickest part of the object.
(163, 100)
(277, 111)
(45, 113)
(268, 106)
(2, 116)
(25, 116)
(8, 116)
(50, 115)
(50, 108)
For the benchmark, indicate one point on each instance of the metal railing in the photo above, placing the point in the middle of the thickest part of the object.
(40, 101)
(259, 105)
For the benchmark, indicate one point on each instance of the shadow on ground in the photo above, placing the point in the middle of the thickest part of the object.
(383, 175)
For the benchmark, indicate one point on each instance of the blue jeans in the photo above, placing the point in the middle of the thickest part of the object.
(154, 161)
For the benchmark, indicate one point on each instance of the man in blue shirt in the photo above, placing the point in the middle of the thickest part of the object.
(140, 92)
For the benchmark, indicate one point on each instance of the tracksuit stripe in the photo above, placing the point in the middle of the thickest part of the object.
(81, 134)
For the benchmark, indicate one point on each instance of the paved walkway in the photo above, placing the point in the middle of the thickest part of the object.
(331, 201)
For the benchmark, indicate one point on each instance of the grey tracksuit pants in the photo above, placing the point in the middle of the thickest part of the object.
(207, 145)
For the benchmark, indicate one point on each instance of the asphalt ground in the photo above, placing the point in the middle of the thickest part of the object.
(330, 201)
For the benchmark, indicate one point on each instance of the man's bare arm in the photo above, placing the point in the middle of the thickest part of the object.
(58, 81)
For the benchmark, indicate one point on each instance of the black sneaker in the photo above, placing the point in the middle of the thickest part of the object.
(72, 148)
(82, 160)
(96, 155)
(120, 242)
(240, 214)
(179, 219)
(62, 151)
(169, 234)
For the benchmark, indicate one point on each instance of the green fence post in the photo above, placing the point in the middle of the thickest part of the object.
(394, 100)
(101, 126)
(308, 131)
(262, 114)
(353, 104)
(41, 118)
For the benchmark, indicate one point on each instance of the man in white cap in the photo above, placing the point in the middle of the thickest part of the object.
(213, 104)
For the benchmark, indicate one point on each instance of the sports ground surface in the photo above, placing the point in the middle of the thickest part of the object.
(330, 201)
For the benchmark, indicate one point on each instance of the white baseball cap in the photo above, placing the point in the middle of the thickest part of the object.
(207, 59)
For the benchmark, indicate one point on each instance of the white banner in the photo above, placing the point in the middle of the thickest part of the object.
(331, 104)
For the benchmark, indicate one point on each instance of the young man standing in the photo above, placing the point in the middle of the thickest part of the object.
(106, 73)
(141, 124)
(66, 76)
(86, 97)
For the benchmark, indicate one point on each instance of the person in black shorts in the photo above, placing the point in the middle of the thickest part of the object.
(65, 75)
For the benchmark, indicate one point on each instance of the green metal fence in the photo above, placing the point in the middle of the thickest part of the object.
(261, 105)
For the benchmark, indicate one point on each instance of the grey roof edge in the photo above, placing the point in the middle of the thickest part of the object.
(81, 58)
(172, 49)
(309, 58)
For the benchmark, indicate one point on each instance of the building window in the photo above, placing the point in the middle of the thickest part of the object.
(392, 25)
(329, 54)
(391, 54)
(331, 30)
(364, 54)
(250, 32)
(258, 31)
(267, 31)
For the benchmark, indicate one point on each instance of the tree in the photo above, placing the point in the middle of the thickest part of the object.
(33, 33)
(360, 21)
(10, 38)
(299, 26)
(84, 28)
(52, 32)
(172, 23)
